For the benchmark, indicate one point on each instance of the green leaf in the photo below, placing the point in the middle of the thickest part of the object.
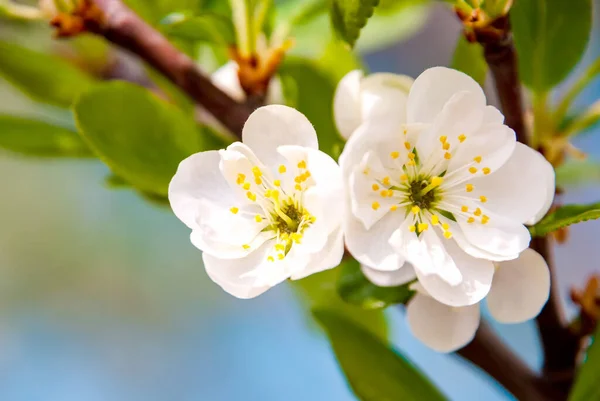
(211, 28)
(356, 289)
(468, 58)
(43, 77)
(565, 216)
(575, 173)
(139, 136)
(314, 91)
(586, 384)
(374, 371)
(350, 16)
(319, 291)
(37, 138)
(550, 37)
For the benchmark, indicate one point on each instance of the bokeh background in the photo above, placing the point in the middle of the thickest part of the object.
(103, 298)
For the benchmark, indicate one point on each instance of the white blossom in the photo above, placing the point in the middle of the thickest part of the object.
(439, 181)
(519, 291)
(263, 210)
(360, 98)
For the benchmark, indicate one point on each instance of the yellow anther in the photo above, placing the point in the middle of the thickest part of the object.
(464, 209)
(407, 145)
(251, 196)
(282, 169)
(257, 218)
(375, 187)
(246, 246)
(486, 170)
(470, 220)
(446, 146)
(403, 177)
(234, 210)
(390, 193)
(298, 179)
(257, 180)
(447, 234)
(477, 212)
(246, 186)
(395, 155)
(277, 183)
(472, 170)
(483, 199)
(411, 162)
(240, 179)
(386, 180)
(443, 138)
(280, 256)
(462, 138)
(302, 164)
(393, 207)
(306, 174)
(366, 171)
(447, 156)
(484, 219)
(446, 226)
(274, 193)
(296, 237)
(256, 171)
(298, 187)
(435, 220)
(405, 131)
(271, 259)
(423, 227)
(375, 205)
(279, 247)
(383, 193)
(411, 156)
(412, 229)
(415, 209)
(436, 181)
(469, 187)
(477, 159)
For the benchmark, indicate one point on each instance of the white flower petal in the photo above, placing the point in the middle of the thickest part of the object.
(226, 79)
(384, 96)
(346, 103)
(433, 88)
(472, 250)
(371, 247)
(393, 278)
(272, 126)
(475, 275)
(329, 257)
(197, 178)
(441, 327)
(522, 189)
(493, 116)
(520, 288)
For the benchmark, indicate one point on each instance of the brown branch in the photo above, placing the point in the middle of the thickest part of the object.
(489, 353)
(121, 26)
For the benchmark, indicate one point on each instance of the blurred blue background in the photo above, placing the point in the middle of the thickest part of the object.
(103, 298)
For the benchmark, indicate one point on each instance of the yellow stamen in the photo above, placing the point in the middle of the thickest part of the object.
(470, 220)
(435, 220)
(395, 155)
(277, 183)
(280, 256)
(403, 177)
(298, 179)
(251, 196)
(298, 187)
(256, 171)
(234, 210)
(393, 207)
(486, 170)
(257, 218)
(302, 164)
(415, 209)
(484, 219)
(464, 209)
(472, 170)
(257, 180)
(447, 156)
(246, 186)
(383, 193)
(386, 180)
(477, 212)
(240, 179)
(282, 169)
(412, 229)
(375, 205)
(477, 159)
(423, 227)
(469, 187)
(446, 146)
(446, 226)
(411, 162)
(375, 187)
(436, 181)
(411, 156)
(462, 138)
(366, 171)
(443, 138)
(447, 234)
(483, 199)
(279, 247)
(246, 246)
(390, 193)
(407, 145)
(271, 259)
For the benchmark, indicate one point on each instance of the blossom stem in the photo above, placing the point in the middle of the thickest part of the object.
(121, 26)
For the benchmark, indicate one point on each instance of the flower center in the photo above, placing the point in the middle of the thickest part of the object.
(418, 196)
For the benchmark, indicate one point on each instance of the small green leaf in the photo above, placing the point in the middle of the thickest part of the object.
(37, 138)
(550, 37)
(139, 136)
(565, 216)
(356, 289)
(211, 28)
(586, 386)
(468, 58)
(350, 16)
(374, 371)
(319, 291)
(43, 77)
